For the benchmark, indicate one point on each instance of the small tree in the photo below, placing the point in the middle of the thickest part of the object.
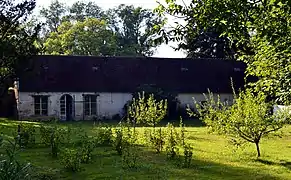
(147, 110)
(248, 119)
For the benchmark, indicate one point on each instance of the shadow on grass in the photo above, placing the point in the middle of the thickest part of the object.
(283, 163)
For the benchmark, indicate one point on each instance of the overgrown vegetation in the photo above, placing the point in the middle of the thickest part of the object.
(10, 166)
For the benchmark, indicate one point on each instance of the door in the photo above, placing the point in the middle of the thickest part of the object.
(66, 107)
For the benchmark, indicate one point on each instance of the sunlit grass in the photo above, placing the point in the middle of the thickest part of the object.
(214, 158)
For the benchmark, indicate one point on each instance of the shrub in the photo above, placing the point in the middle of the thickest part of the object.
(53, 137)
(130, 156)
(122, 139)
(118, 142)
(147, 111)
(58, 137)
(187, 148)
(104, 136)
(86, 149)
(26, 135)
(157, 140)
(10, 167)
(160, 94)
(171, 142)
(70, 160)
(188, 153)
(45, 134)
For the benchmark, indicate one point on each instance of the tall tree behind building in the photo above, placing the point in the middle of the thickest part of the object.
(16, 44)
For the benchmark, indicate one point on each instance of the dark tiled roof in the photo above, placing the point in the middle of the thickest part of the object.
(125, 74)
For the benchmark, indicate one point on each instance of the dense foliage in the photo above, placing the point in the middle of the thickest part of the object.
(16, 42)
(259, 31)
(86, 29)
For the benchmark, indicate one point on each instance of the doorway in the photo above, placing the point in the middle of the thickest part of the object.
(66, 107)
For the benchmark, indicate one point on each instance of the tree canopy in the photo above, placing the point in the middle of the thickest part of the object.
(129, 29)
(134, 29)
(259, 31)
(88, 37)
(16, 42)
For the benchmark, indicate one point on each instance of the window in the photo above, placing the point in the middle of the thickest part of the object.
(90, 105)
(41, 105)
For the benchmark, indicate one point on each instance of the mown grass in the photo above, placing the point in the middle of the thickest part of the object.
(214, 158)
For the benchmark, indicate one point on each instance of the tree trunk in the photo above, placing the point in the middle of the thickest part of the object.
(258, 149)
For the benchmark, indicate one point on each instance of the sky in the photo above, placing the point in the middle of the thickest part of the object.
(162, 51)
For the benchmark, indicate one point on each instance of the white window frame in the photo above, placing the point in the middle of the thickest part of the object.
(40, 105)
(89, 112)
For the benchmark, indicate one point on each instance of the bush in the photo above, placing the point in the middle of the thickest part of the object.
(147, 110)
(130, 156)
(70, 160)
(86, 149)
(157, 140)
(171, 142)
(118, 142)
(104, 136)
(188, 153)
(26, 135)
(121, 140)
(10, 167)
(54, 137)
(45, 134)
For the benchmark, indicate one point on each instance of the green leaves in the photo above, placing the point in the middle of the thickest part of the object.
(90, 37)
(248, 118)
(147, 110)
(257, 33)
(16, 42)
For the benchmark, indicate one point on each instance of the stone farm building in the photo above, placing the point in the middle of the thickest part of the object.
(80, 87)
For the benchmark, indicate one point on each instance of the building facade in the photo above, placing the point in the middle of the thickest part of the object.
(82, 87)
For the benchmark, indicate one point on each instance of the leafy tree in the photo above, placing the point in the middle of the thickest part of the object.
(260, 30)
(248, 119)
(88, 37)
(160, 94)
(80, 10)
(134, 29)
(53, 16)
(208, 44)
(147, 110)
(16, 43)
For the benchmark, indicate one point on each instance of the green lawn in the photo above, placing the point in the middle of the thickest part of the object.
(214, 158)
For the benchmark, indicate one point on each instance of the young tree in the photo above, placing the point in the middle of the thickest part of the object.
(248, 119)
(147, 110)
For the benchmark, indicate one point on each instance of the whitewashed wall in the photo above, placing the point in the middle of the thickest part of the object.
(108, 104)
(187, 99)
